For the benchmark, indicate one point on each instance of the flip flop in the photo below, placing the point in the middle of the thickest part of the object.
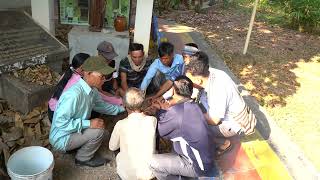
(220, 151)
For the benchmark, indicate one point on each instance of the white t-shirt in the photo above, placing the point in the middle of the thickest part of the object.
(224, 100)
(136, 138)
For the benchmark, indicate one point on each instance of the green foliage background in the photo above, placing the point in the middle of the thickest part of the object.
(303, 14)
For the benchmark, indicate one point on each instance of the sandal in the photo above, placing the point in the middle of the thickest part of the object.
(223, 148)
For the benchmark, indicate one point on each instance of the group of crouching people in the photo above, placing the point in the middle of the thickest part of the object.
(174, 97)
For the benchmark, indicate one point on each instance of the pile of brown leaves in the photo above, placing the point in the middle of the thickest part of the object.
(62, 31)
(39, 74)
(18, 131)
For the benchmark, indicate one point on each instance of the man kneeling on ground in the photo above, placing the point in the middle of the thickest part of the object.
(71, 127)
(134, 67)
(135, 136)
(225, 110)
(164, 70)
(185, 125)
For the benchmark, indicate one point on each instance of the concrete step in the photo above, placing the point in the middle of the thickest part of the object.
(23, 43)
(21, 95)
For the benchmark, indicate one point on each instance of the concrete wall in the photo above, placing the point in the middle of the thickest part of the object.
(83, 41)
(12, 4)
(143, 23)
(43, 13)
(21, 95)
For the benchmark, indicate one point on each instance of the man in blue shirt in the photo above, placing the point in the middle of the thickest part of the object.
(169, 65)
(71, 127)
(185, 125)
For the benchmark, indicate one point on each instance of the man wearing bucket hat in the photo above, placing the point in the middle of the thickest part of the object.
(106, 50)
(71, 127)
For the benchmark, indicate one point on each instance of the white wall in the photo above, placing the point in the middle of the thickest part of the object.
(12, 4)
(143, 23)
(81, 40)
(43, 13)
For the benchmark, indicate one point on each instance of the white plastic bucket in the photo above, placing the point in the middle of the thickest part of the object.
(31, 163)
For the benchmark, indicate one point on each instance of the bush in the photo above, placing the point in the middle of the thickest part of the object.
(165, 5)
(304, 14)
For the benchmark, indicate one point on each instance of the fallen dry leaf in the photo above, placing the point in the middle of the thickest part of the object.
(39, 74)
(33, 120)
(5, 119)
(13, 134)
(3, 145)
(35, 112)
(18, 121)
(11, 143)
(6, 155)
(38, 131)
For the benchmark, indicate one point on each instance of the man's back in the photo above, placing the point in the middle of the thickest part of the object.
(135, 136)
(224, 100)
(185, 123)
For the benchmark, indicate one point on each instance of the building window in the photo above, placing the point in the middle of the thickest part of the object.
(77, 11)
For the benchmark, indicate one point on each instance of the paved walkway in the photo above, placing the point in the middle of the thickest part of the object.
(268, 153)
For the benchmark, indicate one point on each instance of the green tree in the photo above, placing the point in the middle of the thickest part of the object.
(303, 14)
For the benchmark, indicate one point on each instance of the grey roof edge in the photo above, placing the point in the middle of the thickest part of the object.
(45, 29)
(298, 165)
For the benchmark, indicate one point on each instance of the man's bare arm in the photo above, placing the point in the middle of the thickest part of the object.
(124, 84)
(164, 88)
(212, 121)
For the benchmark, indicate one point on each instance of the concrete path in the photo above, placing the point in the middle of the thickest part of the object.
(267, 154)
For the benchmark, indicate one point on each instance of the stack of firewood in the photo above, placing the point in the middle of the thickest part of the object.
(18, 131)
(39, 74)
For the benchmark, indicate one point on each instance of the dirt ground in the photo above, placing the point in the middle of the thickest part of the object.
(280, 68)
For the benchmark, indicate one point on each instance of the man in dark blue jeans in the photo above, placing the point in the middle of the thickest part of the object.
(185, 125)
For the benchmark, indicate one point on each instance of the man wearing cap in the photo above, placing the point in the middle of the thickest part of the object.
(189, 50)
(71, 127)
(106, 50)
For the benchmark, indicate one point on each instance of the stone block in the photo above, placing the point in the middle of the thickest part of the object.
(55, 61)
(21, 95)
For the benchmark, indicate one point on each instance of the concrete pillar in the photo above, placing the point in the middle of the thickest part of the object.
(143, 23)
(43, 13)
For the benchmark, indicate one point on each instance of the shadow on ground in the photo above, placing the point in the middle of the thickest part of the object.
(273, 51)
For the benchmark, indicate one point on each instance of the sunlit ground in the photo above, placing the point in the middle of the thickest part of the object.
(300, 116)
(177, 29)
(271, 70)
